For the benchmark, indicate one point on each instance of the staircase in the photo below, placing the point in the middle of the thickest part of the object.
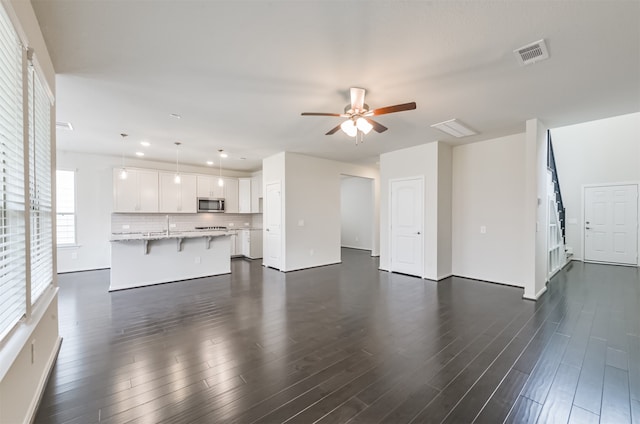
(557, 256)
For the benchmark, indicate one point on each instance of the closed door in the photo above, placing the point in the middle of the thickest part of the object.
(273, 226)
(407, 218)
(611, 224)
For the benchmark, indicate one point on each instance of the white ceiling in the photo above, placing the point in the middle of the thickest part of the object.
(241, 72)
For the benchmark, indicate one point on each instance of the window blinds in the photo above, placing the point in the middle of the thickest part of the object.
(40, 186)
(12, 202)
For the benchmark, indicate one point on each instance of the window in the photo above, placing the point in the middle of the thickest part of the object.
(40, 186)
(12, 202)
(25, 156)
(66, 207)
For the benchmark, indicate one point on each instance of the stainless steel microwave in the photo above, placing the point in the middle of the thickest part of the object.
(206, 204)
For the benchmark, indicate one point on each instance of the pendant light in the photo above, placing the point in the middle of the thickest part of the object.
(220, 180)
(123, 170)
(177, 178)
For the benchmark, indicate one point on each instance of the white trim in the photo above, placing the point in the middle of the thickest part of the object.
(44, 379)
(537, 295)
(582, 224)
(17, 340)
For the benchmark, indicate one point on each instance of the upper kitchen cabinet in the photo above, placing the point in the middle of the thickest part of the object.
(256, 193)
(231, 197)
(244, 193)
(177, 198)
(208, 186)
(136, 193)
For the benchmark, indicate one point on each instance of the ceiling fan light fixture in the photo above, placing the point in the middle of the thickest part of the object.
(349, 128)
(363, 125)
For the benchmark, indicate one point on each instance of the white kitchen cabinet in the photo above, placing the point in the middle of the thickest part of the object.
(230, 195)
(255, 249)
(244, 195)
(249, 243)
(256, 193)
(177, 198)
(207, 186)
(236, 243)
(245, 241)
(137, 193)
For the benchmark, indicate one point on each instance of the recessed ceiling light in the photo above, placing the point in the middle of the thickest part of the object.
(454, 127)
(139, 154)
(223, 154)
(209, 162)
(175, 115)
(243, 158)
(145, 143)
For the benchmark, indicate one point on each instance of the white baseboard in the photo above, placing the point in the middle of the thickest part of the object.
(537, 295)
(42, 384)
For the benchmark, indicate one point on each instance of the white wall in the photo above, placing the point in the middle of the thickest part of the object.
(94, 205)
(445, 211)
(488, 191)
(22, 378)
(356, 205)
(603, 151)
(535, 217)
(434, 166)
(311, 207)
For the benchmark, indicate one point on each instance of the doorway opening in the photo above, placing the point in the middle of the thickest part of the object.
(357, 212)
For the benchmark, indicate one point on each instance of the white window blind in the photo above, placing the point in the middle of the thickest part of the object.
(66, 207)
(40, 186)
(12, 203)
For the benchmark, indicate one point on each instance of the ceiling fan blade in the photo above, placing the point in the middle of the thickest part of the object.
(333, 130)
(357, 98)
(392, 109)
(324, 114)
(377, 127)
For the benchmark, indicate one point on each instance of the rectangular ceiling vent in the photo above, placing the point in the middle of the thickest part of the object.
(455, 128)
(532, 53)
(64, 126)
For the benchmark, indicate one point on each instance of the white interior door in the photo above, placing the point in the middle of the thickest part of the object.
(407, 220)
(611, 224)
(273, 226)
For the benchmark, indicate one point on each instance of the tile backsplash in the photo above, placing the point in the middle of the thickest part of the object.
(152, 222)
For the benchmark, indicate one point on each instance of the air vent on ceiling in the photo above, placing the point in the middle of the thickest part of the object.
(64, 126)
(455, 128)
(532, 53)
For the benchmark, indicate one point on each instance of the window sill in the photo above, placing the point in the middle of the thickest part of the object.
(69, 246)
(16, 340)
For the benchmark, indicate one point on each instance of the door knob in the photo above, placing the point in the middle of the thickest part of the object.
(267, 229)
(418, 233)
(587, 228)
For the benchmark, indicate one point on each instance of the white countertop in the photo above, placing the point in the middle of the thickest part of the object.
(157, 235)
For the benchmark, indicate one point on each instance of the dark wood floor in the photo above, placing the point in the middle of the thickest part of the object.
(347, 343)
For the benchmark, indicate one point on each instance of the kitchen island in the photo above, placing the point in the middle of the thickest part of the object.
(143, 259)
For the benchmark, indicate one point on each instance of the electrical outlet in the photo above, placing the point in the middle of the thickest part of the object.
(232, 224)
(483, 229)
(311, 252)
(74, 255)
(172, 225)
(301, 223)
(125, 226)
(197, 259)
(357, 238)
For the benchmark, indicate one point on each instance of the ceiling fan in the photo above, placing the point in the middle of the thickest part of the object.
(358, 115)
